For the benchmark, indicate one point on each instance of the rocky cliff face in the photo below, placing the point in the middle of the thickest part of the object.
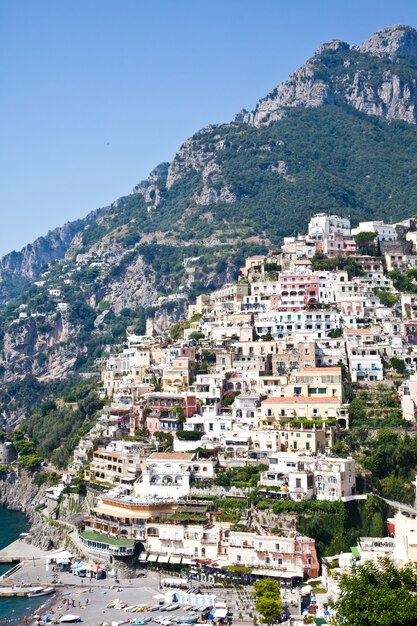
(34, 256)
(46, 351)
(378, 78)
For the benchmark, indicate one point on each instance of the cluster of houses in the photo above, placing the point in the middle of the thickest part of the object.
(256, 377)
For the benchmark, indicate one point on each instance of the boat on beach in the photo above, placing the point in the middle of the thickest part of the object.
(36, 592)
(69, 619)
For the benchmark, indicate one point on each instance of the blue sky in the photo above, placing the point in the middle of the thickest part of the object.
(95, 93)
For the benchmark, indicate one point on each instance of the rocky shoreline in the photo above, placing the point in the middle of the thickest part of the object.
(18, 492)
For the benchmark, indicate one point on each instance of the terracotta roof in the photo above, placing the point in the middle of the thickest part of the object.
(355, 331)
(171, 456)
(302, 399)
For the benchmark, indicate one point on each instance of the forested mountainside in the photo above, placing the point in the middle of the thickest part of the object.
(340, 134)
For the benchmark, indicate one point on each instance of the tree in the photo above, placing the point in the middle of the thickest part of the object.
(265, 587)
(399, 365)
(386, 298)
(165, 439)
(268, 599)
(269, 607)
(196, 335)
(378, 593)
(366, 242)
(336, 333)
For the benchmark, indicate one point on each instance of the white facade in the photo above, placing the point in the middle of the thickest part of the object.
(302, 475)
(366, 367)
(321, 225)
(167, 474)
(280, 325)
(385, 232)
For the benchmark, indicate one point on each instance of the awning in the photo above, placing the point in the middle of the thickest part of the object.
(153, 558)
(274, 573)
(175, 558)
(164, 558)
(220, 613)
(142, 556)
(290, 574)
(186, 561)
(58, 554)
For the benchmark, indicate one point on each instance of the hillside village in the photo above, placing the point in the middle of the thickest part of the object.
(218, 441)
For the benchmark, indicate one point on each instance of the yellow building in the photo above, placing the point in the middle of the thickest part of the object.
(126, 518)
(278, 411)
(316, 381)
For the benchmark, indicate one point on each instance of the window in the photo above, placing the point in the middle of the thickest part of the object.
(322, 390)
(298, 483)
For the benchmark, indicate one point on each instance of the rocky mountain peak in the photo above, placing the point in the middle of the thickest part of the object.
(333, 46)
(340, 74)
(391, 42)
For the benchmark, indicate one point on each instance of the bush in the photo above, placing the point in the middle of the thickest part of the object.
(189, 435)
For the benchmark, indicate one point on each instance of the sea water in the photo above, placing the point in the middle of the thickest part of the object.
(12, 610)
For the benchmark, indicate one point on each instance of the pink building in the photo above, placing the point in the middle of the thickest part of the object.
(161, 410)
(296, 291)
(335, 244)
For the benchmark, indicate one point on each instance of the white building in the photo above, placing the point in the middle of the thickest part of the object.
(302, 475)
(385, 232)
(319, 323)
(365, 367)
(167, 474)
(322, 225)
(408, 393)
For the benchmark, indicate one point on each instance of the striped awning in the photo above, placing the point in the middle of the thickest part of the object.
(153, 558)
(142, 556)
